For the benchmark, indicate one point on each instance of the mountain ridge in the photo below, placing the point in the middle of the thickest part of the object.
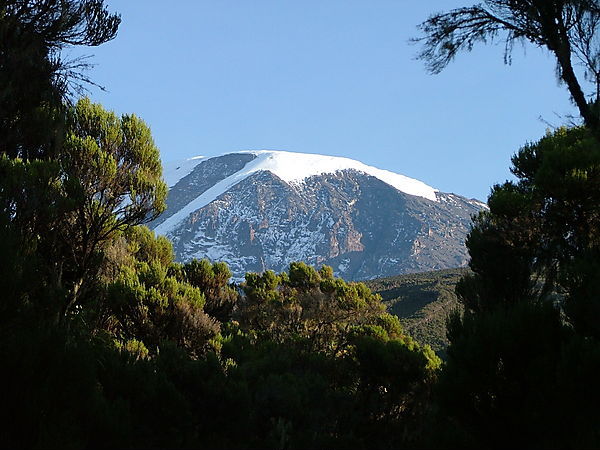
(259, 210)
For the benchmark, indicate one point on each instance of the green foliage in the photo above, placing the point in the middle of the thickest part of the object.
(32, 207)
(494, 240)
(530, 325)
(107, 342)
(581, 280)
(512, 377)
(135, 348)
(213, 281)
(261, 288)
(305, 306)
(145, 303)
(64, 212)
(145, 246)
(303, 276)
(145, 380)
(112, 167)
(318, 400)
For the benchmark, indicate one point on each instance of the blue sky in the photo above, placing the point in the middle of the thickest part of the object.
(335, 77)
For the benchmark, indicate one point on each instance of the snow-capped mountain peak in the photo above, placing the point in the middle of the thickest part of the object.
(295, 167)
(262, 209)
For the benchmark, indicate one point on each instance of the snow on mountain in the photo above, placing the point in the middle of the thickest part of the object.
(290, 167)
(259, 210)
(173, 171)
(296, 167)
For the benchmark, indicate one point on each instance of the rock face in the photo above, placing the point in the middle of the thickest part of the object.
(262, 210)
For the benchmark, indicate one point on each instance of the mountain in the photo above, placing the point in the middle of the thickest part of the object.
(259, 210)
(422, 302)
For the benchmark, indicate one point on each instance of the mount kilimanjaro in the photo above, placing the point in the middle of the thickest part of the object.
(260, 210)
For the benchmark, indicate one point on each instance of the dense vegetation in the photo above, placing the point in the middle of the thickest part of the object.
(524, 356)
(106, 341)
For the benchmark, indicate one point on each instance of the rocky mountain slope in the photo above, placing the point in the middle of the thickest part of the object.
(261, 210)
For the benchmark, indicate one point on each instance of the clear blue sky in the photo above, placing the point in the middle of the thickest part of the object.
(336, 77)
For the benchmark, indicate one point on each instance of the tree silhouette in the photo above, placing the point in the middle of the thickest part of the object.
(35, 79)
(566, 28)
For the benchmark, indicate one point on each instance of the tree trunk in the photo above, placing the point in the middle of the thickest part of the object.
(72, 299)
(563, 56)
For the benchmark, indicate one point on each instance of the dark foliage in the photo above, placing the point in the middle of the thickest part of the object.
(34, 80)
(526, 350)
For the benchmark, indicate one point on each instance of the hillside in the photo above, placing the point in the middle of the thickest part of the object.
(422, 301)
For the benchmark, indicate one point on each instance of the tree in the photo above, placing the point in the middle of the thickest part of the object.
(307, 304)
(35, 80)
(106, 178)
(509, 231)
(213, 281)
(112, 173)
(145, 303)
(541, 233)
(566, 28)
(529, 334)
